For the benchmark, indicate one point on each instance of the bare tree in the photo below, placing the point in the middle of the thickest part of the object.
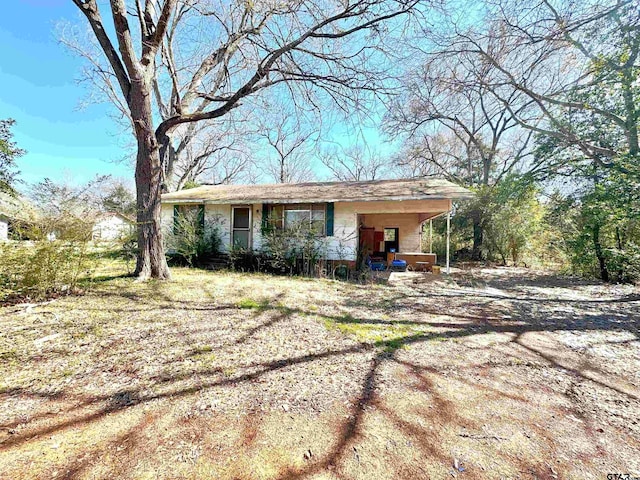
(558, 66)
(215, 156)
(238, 50)
(355, 164)
(207, 148)
(287, 139)
(454, 127)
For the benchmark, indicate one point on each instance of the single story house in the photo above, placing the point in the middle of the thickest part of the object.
(112, 226)
(381, 216)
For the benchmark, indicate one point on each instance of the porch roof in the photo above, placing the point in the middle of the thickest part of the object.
(320, 192)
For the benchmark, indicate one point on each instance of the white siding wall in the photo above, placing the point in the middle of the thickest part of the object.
(256, 230)
(111, 228)
(213, 214)
(343, 245)
(166, 217)
(4, 230)
(220, 215)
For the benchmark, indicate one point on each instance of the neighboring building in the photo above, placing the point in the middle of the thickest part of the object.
(15, 212)
(4, 228)
(112, 226)
(381, 215)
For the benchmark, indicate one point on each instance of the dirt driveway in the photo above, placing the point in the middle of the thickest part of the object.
(496, 373)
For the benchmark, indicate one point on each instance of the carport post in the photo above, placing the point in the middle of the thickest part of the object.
(448, 238)
(430, 236)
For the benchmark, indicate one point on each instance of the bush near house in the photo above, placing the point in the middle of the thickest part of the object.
(192, 241)
(296, 250)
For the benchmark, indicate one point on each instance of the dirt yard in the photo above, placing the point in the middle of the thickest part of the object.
(499, 373)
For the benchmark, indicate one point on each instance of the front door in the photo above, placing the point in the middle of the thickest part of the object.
(391, 240)
(241, 228)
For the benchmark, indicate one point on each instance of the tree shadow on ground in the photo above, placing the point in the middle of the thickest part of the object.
(523, 320)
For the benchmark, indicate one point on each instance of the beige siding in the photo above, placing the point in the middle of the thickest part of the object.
(344, 244)
(408, 225)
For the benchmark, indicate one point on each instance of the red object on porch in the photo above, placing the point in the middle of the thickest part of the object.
(377, 238)
(367, 243)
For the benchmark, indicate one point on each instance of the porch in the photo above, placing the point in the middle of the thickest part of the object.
(404, 236)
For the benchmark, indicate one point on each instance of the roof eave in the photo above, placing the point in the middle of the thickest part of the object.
(239, 201)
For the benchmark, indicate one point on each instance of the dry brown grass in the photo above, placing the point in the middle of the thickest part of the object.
(506, 373)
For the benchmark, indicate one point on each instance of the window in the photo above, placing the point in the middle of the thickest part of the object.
(299, 215)
(187, 217)
(295, 218)
(389, 234)
(241, 228)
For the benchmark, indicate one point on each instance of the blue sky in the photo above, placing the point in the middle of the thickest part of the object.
(38, 90)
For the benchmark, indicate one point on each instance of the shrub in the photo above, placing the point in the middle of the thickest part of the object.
(41, 268)
(296, 250)
(244, 260)
(192, 241)
(600, 227)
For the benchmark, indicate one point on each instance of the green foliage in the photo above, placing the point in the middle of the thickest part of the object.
(247, 303)
(297, 249)
(41, 268)
(513, 223)
(189, 184)
(512, 220)
(9, 152)
(191, 241)
(118, 198)
(600, 223)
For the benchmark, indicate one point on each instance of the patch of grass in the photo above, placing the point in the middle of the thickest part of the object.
(393, 344)
(388, 335)
(247, 303)
(202, 349)
(96, 330)
(228, 372)
(9, 355)
(5, 388)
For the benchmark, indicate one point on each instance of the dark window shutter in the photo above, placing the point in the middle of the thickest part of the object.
(329, 220)
(201, 218)
(265, 217)
(176, 214)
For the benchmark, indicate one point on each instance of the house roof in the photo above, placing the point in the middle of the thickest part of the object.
(107, 215)
(317, 192)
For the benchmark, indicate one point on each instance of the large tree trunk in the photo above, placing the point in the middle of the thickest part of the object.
(151, 262)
